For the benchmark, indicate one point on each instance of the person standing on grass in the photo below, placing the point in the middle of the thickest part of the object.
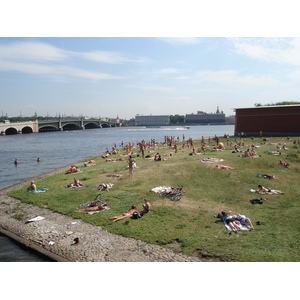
(131, 163)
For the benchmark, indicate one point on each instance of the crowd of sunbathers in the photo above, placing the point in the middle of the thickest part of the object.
(234, 222)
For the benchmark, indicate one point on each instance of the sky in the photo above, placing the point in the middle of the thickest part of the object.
(119, 74)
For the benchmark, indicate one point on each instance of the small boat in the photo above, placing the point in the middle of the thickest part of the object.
(187, 127)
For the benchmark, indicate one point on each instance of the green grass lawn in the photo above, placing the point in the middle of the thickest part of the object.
(208, 191)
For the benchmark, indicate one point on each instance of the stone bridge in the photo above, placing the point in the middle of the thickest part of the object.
(75, 124)
(55, 125)
(19, 127)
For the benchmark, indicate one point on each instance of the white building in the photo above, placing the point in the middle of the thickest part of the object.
(158, 120)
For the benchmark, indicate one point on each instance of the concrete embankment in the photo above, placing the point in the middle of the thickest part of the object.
(54, 235)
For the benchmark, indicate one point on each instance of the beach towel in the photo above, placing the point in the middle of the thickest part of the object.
(115, 175)
(230, 229)
(212, 160)
(97, 211)
(274, 153)
(39, 191)
(161, 189)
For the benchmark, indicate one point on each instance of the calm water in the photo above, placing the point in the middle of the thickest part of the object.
(57, 149)
(10, 251)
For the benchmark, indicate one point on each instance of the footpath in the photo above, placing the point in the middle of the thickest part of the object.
(53, 236)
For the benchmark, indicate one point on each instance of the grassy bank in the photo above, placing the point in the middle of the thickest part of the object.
(190, 223)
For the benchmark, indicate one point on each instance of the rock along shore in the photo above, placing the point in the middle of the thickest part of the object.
(54, 235)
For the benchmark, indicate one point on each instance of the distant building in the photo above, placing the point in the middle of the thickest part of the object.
(277, 120)
(203, 118)
(159, 120)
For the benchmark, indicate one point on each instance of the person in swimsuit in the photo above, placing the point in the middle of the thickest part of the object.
(100, 206)
(124, 215)
(131, 163)
(244, 221)
(32, 187)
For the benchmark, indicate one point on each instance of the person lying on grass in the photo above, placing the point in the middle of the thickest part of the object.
(100, 206)
(235, 222)
(263, 190)
(231, 221)
(76, 184)
(284, 164)
(125, 215)
(244, 221)
(146, 209)
(73, 169)
(266, 176)
(224, 167)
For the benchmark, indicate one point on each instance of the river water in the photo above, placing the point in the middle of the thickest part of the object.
(57, 149)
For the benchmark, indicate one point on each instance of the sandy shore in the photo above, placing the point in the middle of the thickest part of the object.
(54, 235)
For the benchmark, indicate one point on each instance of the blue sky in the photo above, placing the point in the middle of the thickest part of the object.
(141, 72)
(127, 76)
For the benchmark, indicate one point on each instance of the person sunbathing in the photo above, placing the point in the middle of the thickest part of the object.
(124, 215)
(195, 153)
(77, 183)
(266, 176)
(284, 164)
(263, 190)
(32, 187)
(100, 206)
(73, 169)
(105, 186)
(224, 167)
(87, 164)
(244, 221)
(230, 220)
(146, 207)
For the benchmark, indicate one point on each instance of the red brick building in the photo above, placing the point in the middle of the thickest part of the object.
(278, 120)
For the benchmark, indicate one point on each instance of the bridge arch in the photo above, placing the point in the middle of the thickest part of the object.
(70, 126)
(11, 130)
(48, 128)
(105, 125)
(91, 125)
(26, 130)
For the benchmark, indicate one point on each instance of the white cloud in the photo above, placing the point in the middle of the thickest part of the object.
(233, 78)
(43, 69)
(109, 57)
(31, 51)
(44, 59)
(278, 50)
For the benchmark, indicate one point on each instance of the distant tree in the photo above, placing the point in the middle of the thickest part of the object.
(277, 103)
(176, 119)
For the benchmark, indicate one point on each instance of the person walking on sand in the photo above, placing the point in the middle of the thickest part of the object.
(131, 163)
